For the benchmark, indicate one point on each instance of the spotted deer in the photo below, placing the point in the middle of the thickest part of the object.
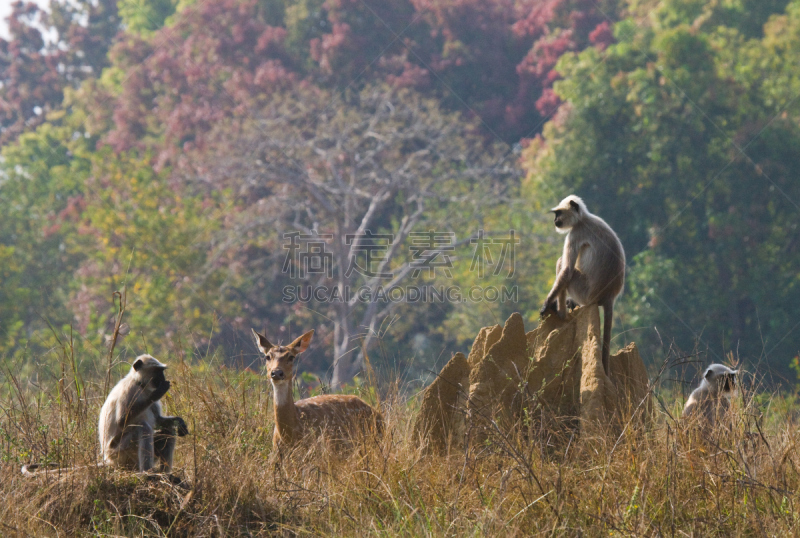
(336, 416)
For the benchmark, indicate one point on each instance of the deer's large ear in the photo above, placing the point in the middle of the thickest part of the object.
(302, 342)
(261, 341)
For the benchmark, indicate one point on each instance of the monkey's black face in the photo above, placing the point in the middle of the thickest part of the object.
(558, 220)
(720, 379)
(729, 383)
(564, 220)
(158, 378)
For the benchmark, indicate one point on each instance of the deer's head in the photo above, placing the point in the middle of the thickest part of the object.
(280, 359)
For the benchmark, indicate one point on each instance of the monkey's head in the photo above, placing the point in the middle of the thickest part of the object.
(568, 212)
(720, 379)
(280, 359)
(149, 371)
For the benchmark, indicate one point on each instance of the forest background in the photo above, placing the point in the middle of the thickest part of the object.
(190, 153)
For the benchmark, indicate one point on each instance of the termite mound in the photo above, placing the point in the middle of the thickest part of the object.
(547, 380)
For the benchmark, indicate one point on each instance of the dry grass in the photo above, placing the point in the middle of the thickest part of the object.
(654, 482)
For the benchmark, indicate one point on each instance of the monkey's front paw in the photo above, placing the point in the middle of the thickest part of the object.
(547, 306)
(180, 427)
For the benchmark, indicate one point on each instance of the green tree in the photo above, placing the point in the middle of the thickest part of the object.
(145, 16)
(136, 231)
(41, 200)
(682, 142)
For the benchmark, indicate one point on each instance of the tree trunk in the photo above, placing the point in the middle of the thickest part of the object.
(343, 356)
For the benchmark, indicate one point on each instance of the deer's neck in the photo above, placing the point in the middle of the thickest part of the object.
(287, 420)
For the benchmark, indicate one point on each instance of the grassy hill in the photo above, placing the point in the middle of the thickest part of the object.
(663, 481)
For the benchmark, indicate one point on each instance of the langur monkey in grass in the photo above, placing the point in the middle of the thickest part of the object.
(712, 398)
(591, 269)
(134, 433)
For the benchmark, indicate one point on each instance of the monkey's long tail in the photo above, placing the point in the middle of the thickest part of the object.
(608, 319)
(32, 470)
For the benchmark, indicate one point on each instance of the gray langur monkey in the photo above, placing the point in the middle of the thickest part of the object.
(134, 433)
(591, 269)
(712, 398)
